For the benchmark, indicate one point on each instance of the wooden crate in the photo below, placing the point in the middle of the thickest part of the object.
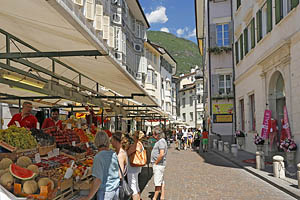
(27, 152)
(44, 150)
(64, 195)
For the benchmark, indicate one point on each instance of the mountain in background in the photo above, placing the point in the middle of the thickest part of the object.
(184, 51)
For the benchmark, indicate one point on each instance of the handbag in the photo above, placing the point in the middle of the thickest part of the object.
(139, 158)
(125, 191)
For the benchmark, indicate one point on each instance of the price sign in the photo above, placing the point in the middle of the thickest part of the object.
(38, 125)
(37, 158)
(87, 145)
(50, 154)
(69, 126)
(73, 143)
(56, 151)
(17, 124)
(79, 125)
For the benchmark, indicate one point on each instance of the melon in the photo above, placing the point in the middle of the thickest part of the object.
(5, 162)
(20, 172)
(3, 171)
(7, 180)
(34, 168)
(45, 182)
(24, 161)
(30, 187)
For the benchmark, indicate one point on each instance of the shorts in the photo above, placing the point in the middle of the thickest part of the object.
(113, 195)
(205, 141)
(190, 137)
(133, 182)
(185, 140)
(158, 173)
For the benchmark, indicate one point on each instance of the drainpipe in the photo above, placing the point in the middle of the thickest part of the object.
(233, 74)
(209, 64)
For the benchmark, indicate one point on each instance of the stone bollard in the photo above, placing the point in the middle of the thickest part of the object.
(220, 145)
(278, 167)
(260, 160)
(298, 175)
(215, 144)
(226, 147)
(234, 150)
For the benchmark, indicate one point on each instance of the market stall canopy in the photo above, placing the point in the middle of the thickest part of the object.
(49, 27)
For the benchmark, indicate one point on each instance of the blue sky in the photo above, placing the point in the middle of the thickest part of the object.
(174, 16)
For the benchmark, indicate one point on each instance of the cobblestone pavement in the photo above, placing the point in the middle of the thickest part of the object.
(190, 176)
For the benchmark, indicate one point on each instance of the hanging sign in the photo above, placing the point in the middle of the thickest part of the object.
(286, 125)
(267, 117)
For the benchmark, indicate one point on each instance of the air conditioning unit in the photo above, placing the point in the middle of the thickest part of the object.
(117, 18)
(139, 76)
(138, 47)
(78, 2)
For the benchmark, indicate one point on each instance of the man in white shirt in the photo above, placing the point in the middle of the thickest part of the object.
(185, 136)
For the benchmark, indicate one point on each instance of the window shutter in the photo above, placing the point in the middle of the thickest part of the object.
(89, 9)
(236, 52)
(238, 4)
(252, 33)
(278, 10)
(246, 40)
(111, 39)
(259, 25)
(269, 16)
(295, 3)
(241, 47)
(98, 17)
(105, 25)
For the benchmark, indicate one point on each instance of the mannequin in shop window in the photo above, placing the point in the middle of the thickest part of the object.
(272, 130)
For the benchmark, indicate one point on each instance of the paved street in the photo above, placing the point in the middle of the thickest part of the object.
(191, 176)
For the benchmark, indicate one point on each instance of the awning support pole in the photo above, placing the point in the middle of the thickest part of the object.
(102, 120)
(19, 105)
(7, 48)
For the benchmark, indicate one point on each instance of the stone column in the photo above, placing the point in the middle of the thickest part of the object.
(220, 145)
(278, 167)
(234, 150)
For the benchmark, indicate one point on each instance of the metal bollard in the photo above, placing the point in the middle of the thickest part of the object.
(234, 150)
(220, 145)
(226, 147)
(215, 144)
(298, 175)
(260, 160)
(278, 167)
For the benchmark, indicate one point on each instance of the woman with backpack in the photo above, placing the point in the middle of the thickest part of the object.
(133, 169)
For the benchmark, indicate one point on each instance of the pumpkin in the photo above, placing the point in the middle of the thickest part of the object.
(44, 182)
(24, 161)
(30, 187)
(7, 180)
(4, 163)
(34, 168)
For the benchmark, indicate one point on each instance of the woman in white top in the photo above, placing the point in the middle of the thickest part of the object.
(133, 172)
(121, 144)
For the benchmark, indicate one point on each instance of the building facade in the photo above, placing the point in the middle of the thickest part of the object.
(267, 46)
(218, 68)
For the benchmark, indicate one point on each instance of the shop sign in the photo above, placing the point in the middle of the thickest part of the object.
(222, 118)
(265, 126)
(223, 108)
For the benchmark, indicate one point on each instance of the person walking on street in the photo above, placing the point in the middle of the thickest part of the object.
(158, 160)
(205, 140)
(190, 138)
(185, 137)
(133, 172)
(178, 137)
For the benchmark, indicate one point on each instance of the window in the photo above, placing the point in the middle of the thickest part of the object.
(191, 116)
(199, 117)
(183, 117)
(191, 100)
(222, 35)
(269, 16)
(183, 102)
(283, 7)
(224, 84)
(252, 113)
(252, 27)
(259, 25)
(246, 41)
(242, 115)
(238, 4)
(236, 52)
(199, 99)
(264, 20)
(241, 47)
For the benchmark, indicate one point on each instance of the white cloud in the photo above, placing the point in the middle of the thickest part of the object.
(158, 15)
(181, 31)
(186, 33)
(192, 34)
(165, 29)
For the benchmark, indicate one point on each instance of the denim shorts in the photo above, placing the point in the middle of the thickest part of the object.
(113, 195)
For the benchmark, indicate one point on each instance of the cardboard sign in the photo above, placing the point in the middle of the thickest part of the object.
(87, 145)
(37, 158)
(69, 126)
(56, 151)
(50, 154)
(73, 143)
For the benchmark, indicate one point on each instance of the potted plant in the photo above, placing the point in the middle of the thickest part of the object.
(289, 147)
(240, 138)
(259, 141)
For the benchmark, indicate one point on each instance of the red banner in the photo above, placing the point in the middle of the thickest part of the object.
(286, 124)
(267, 117)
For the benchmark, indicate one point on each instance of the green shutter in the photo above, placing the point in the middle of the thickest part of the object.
(236, 52)
(241, 47)
(252, 33)
(246, 40)
(295, 3)
(278, 10)
(238, 4)
(259, 25)
(269, 16)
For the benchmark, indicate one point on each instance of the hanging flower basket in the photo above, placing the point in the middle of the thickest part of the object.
(258, 140)
(239, 134)
(288, 145)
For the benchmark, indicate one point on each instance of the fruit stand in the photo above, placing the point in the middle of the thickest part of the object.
(33, 163)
